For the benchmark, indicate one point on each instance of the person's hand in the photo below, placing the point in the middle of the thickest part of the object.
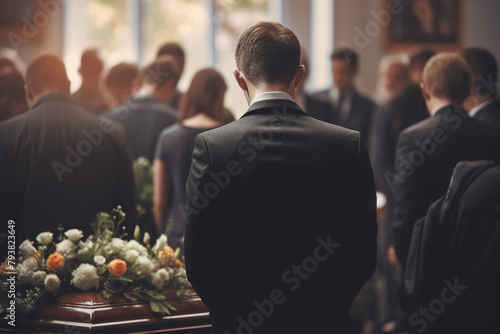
(391, 255)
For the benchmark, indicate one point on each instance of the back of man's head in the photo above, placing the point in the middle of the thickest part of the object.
(122, 74)
(47, 73)
(268, 53)
(160, 72)
(175, 50)
(91, 63)
(447, 76)
(484, 68)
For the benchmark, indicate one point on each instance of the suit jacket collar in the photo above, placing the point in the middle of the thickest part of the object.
(452, 108)
(51, 97)
(269, 106)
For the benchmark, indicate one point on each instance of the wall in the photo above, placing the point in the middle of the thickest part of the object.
(480, 27)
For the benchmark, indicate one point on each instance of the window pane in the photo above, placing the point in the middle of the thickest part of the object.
(233, 17)
(184, 21)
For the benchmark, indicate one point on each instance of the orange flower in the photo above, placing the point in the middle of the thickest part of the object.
(117, 267)
(55, 261)
(167, 249)
(178, 264)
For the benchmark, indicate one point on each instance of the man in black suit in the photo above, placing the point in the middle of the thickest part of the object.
(281, 229)
(58, 163)
(482, 103)
(428, 151)
(350, 109)
(146, 114)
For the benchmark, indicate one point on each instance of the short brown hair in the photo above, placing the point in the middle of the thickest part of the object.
(447, 75)
(122, 74)
(173, 49)
(47, 71)
(204, 95)
(483, 65)
(268, 53)
(347, 53)
(159, 72)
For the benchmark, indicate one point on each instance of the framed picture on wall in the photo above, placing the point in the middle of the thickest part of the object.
(436, 23)
(426, 21)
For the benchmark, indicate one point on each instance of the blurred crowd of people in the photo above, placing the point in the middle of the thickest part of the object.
(429, 112)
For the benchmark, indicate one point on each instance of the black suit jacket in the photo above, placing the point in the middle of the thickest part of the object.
(267, 194)
(360, 113)
(318, 108)
(458, 241)
(143, 119)
(426, 155)
(60, 165)
(490, 115)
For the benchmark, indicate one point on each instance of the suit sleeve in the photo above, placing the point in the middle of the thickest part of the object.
(201, 218)
(408, 207)
(359, 253)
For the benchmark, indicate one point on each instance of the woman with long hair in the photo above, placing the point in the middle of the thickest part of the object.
(200, 109)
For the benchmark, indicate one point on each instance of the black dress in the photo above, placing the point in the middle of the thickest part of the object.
(175, 147)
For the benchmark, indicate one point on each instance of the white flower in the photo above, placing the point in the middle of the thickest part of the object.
(133, 244)
(27, 247)
(66, 248)
(157, 281)
(38, 277)
(163, 274)
(74, 234)
(52, 282)
(86, 246)
(44, 238)
(161, 242)
(181, 272)
(137, 232)
(144, 266)
(30, 264)
(132, 256)
(85, 277)
(24, 273)
(99, 259)
(146, 239)
(115, 246)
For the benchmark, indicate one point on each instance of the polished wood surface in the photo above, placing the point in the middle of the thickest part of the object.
(90, 312)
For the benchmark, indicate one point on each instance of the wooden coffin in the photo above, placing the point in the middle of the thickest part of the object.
(90, 312)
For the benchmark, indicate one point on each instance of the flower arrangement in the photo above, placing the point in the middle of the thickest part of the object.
(105, 262)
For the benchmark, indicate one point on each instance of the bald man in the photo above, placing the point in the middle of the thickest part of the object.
(89, 96)
(58, 163)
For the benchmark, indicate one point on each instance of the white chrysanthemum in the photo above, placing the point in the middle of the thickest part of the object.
(161, 242)
(38, 277)
(144, 266)
(132, 256)
(66, 248)
(27, 248)
(30, 264)
(157, 281)
(85, 247)
(115, 246)
(24, 274)
(163, 274)
(181, 272)
(99, 259)
(44, 238)
(52, 282)
(133, 244)
(85, 277)
(74, 235)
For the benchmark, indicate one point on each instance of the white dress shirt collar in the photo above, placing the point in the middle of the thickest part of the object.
(479, 107)
(277, 95)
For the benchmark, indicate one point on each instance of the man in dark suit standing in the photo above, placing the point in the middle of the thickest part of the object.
(146, 114)
(428, 151)
(482, 103)
(58, 163)
(281, 229)
(350, 109)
